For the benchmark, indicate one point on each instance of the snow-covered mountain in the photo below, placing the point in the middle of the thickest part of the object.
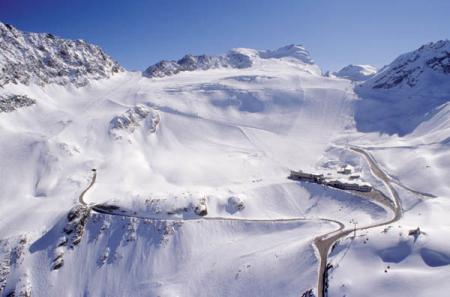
(174, 182)
(236, 58)
(404, 93)
(41, 58)
(356, 72)
(427, 68)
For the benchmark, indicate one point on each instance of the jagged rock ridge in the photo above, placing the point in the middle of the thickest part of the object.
(236, 58)
(40, 58)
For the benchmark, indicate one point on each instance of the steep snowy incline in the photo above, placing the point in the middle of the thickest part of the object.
(403, 94)
(416, 71)
(40, 58)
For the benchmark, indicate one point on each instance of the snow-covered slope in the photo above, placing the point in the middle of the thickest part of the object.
(176, 148)
(190, 196)
(408, 102)
(39, 58)
(403, 94)
(425, 69)
(356, 72)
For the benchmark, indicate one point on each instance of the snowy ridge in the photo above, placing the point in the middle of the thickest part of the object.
(406, 92)
(236, 58)
(429, 64)
(356, 72)
(292, 51)
(39, 58)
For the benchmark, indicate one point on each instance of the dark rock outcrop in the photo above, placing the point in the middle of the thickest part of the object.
(41, 58)
(237, 58)
(9, 103)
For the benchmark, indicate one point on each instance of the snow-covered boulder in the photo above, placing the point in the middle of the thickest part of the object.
(356, 72)
(235, 204)
(42, 58)
(201, 208)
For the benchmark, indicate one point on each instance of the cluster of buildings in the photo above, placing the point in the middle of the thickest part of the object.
(348, 179)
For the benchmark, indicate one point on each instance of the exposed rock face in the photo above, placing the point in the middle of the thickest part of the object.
(12, 254)
(9, 103)
(40, 58)
(74, 228)
(58, 259)
(191, 63)
(408, 70)
(308, 293)
(133, 118)
(5, 263)
(76, 222)
(201, 208)
(18, 252)
(236, 58)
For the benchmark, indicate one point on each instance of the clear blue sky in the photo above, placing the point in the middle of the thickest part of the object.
(141, 32)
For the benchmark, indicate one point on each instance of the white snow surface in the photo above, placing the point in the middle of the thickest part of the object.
(213, 139)
(407, 92)
(218, 137)
(356, 72)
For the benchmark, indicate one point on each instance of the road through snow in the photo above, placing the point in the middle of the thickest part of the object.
(81, 197)
(324, 242)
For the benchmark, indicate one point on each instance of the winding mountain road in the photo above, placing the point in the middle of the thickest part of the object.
(81, 197)
(323, 243)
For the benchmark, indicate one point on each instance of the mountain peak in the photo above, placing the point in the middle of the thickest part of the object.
(356, 72)
(430, 62)
(292, 51)
(41, 58)
(235, 58)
